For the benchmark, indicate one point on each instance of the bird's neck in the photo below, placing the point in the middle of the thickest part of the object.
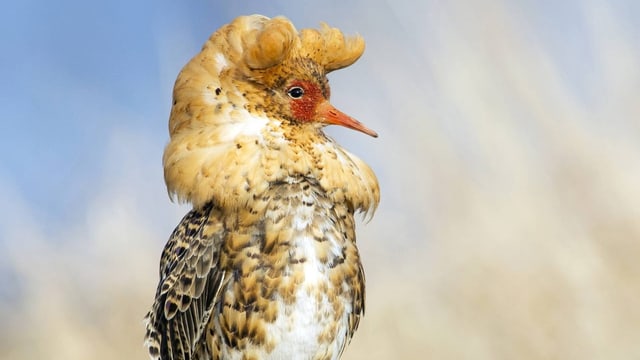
(234, 170)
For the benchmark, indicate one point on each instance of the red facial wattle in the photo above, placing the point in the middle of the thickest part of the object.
(313, 107)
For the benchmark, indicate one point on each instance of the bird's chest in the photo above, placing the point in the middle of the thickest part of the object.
(313, 308)
(290, 292)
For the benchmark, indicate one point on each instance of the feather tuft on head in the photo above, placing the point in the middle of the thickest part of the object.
(265, 42)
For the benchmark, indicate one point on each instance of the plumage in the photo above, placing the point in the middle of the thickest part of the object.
(265, 265)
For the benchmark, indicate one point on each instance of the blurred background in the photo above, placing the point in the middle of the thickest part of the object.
(508, 158)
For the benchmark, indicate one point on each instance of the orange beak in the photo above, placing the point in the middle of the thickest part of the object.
(327, 114)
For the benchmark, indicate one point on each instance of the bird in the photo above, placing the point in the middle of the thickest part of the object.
(265, 264)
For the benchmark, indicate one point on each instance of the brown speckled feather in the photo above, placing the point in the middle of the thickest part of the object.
(259, 248)
(190, 279)
(265, 266)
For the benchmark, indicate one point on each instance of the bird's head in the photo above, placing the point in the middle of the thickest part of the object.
(276, 70)
(258, 90)
(286, 73)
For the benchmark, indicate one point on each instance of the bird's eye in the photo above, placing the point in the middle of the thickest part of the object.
(295, 92)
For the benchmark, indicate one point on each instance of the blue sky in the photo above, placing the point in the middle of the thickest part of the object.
(77, 71)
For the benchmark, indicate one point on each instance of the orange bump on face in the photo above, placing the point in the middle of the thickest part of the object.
(303, 108)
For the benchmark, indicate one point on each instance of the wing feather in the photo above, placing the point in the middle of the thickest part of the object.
(190, 280)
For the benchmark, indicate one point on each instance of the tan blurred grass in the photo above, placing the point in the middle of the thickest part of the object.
(515, 237)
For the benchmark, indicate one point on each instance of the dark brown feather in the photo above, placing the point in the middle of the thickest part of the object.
(190, 279)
